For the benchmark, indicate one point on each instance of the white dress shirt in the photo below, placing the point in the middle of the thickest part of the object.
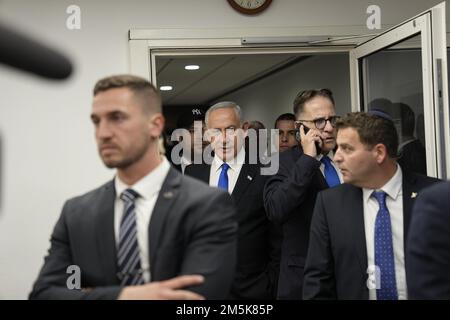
(322, 166)
(148, 189)
(394, 203)
(184, 163)
(233, 172)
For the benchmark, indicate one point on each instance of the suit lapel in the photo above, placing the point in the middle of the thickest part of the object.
(356, 224)
(104, 226)
(319, 179)
(166, 198)
(246, 176)
(200, 172)
(204, 172)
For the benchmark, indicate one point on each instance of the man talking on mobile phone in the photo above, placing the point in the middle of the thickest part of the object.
(290, 194)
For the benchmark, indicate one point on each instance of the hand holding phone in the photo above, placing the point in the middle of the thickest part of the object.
(316, 143)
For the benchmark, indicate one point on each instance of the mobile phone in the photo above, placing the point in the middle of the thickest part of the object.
(318, 149)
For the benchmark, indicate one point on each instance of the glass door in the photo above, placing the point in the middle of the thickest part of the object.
(403, 72)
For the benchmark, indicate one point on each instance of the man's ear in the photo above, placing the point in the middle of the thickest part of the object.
(380, 152)
(156, 125)
(245, 133)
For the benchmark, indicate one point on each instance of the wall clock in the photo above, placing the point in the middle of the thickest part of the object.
(250, 6)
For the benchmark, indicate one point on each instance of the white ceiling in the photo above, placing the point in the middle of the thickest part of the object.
(218, 75)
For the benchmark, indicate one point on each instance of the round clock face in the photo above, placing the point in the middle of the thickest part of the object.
(249, 6)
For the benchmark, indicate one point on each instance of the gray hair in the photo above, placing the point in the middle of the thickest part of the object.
(224, 105)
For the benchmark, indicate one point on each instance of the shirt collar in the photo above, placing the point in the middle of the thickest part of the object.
(329, 154)
(392, 188)
(233, 163)
(185, 161)
(149, 184)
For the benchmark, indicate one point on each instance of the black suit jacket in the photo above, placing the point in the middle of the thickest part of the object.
(428, 253)
(192, 231)
(289, 199)
(336, 266)
(412, 157)
(258, 249)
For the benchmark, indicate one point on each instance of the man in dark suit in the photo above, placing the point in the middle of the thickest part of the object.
(149, 224)
(290, 194)
(412, 155)
(356, 248)
(192, 144)
(428, 253)
(256, 271)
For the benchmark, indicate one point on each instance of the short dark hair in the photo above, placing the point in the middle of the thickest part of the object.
(286, 117)
(372, 129)
(141, 87)
(255, 124)
(306, 95)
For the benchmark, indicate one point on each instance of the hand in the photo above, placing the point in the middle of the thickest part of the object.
(308, 141)
(164, 290)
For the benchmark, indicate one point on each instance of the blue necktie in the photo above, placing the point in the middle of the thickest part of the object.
(384, 252)
(330, 172)
(128, 258)
(223, 178)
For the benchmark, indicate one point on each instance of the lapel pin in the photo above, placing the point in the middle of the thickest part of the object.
(249, 178)
(168, 194)
(413, 195)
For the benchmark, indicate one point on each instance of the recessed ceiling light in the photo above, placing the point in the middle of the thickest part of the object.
(165, 88)
(192, 67)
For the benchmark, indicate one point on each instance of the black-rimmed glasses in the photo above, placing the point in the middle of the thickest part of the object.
(319, 123)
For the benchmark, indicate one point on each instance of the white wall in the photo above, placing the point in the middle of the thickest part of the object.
(48, 150)
(267, 99)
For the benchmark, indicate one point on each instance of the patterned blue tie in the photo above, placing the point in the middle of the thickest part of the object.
(223, 178)
(330, 172)
(384, 252)
(128, 259)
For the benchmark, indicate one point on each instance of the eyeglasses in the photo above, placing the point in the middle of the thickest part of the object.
(320, 123)
(230, 132)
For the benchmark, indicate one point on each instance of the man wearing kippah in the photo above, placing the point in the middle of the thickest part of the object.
(358, 229)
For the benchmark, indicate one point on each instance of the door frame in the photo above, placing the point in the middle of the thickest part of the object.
(144, 44)
(430, 24)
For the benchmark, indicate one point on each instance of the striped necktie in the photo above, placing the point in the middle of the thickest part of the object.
(128, 258)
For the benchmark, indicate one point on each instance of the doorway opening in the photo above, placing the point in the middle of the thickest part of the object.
(263, 85)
